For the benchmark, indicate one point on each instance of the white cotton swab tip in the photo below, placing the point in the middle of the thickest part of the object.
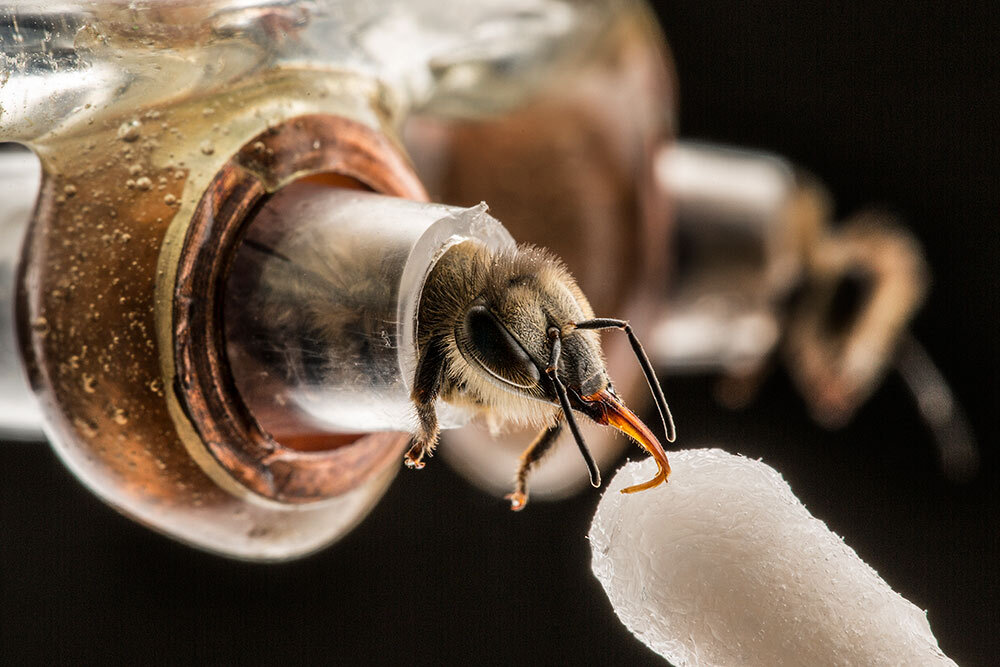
(723, 566)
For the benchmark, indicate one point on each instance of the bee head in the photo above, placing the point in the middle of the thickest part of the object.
(532, 331)
(504, 335)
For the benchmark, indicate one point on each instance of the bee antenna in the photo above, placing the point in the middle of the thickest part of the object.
(647, 369)
(595, 473)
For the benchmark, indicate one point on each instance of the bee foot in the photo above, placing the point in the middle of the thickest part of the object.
(414, 458)
(517, 500)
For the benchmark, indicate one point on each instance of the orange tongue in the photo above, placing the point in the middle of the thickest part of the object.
(614, 413)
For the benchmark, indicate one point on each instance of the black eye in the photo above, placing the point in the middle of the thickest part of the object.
(492, 347)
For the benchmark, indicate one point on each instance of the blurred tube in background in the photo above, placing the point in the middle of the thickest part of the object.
(738, 246)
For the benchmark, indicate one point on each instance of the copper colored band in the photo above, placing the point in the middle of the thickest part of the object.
(301, 147)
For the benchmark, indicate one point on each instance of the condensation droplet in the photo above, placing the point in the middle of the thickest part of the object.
(89, 383)
(144, 183)
(129, 131)
(41, 326)
(206, 147)
(86, 427)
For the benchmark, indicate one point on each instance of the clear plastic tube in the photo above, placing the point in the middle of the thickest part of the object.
(321, 308)
(20, 178)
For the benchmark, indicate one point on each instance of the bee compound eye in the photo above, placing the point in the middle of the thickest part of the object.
(493, 348)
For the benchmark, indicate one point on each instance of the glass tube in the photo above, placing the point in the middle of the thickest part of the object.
(321, 306)
(20, 178)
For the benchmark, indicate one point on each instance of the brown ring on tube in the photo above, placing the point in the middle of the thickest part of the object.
(306, 146)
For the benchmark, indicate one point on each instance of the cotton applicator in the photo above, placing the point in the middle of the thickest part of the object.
(724, 566)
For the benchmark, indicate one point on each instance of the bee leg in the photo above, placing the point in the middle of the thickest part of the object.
(426, 387)
(425, 441)
(533, 454)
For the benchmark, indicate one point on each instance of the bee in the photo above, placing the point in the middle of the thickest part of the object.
(510, 335)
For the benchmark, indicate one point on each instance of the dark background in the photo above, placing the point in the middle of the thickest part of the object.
(888, 103)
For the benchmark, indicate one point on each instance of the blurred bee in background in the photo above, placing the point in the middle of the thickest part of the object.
(764, 274)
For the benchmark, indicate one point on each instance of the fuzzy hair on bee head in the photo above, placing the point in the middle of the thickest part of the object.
(527, 290)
